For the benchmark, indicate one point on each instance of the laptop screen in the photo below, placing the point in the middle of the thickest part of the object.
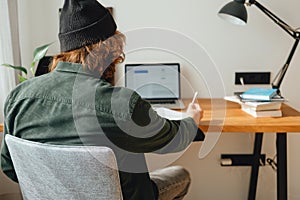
(154, 81)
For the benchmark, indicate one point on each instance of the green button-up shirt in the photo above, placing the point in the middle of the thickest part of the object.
(72, 107)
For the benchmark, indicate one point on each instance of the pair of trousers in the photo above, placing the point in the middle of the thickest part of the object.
(170, 183)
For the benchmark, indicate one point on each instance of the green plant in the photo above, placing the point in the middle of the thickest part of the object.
(38, 54)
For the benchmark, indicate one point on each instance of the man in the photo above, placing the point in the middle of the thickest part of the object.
(77, 104)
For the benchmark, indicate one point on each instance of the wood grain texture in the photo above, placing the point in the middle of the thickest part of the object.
(225, 116)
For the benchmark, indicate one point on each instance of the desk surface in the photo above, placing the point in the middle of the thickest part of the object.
(228, 117)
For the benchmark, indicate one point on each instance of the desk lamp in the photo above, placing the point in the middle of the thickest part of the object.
(236, 13)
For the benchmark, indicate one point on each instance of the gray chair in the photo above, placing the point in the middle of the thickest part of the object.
(47, 171)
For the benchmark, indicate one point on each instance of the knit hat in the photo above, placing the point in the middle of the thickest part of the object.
(84, 22)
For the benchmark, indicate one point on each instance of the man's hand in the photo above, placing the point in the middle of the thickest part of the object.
(194, 111)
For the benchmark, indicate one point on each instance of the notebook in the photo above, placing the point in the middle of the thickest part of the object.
(259, 93)
(158, 83)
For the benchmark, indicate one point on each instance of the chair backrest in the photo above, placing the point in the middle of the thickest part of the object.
(47, 171)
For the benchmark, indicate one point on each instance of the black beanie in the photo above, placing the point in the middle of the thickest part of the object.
(84, 22)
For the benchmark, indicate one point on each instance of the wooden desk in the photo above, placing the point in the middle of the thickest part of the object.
(237, 120)
(228, 117)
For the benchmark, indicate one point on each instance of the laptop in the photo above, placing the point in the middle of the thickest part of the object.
(158, 83)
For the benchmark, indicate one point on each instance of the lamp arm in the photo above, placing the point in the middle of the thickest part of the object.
(292, 32)
(280, 75)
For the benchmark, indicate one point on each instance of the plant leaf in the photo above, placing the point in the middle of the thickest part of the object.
(32, 67)
(20, 68)
(21, 78)
(40, 52)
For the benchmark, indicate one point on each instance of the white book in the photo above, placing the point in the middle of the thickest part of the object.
(264, 113)
(260, 106)
(255, 105)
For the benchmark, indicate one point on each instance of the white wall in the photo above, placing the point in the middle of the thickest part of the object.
(259, 46)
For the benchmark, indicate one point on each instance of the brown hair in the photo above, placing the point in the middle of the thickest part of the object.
(99, 58)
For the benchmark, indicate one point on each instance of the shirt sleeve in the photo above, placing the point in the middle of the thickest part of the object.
(6, 162)
(162, 135)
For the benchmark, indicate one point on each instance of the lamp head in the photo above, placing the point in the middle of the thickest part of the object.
(234, 12)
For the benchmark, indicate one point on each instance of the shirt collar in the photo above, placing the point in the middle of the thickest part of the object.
(73, 68)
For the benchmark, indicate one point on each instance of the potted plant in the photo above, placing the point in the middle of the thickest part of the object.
(38, 54)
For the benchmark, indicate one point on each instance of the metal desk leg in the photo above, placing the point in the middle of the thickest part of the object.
(255, 166)
(281, 148)
(254, 160)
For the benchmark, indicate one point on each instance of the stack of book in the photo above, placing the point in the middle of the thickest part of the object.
(260, 102)
(262, 109)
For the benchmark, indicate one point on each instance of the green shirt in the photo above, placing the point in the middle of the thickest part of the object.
(72, 107)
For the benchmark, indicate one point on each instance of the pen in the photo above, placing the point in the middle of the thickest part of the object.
(194, 98)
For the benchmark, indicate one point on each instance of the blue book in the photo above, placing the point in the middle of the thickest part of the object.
(259, 93)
